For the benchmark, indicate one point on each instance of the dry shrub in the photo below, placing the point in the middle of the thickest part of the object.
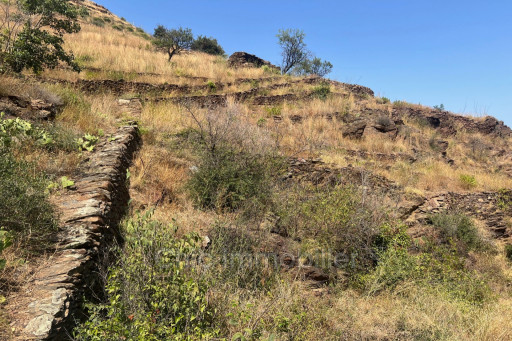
(236, 160)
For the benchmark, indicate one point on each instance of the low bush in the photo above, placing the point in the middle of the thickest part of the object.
(208, 45)
(5, 242)
(153, 292)
(321, 91)
(234, 260)
(15, 132)
(467, 181)
(504, 200)
(97, 21)
(337, 219)
(459, 229)
(24, 208)
(383, 100)
(508, 252)
(227, 179)
(438, 269)
(273, 111)
(211, 86)
(236, 162)
(400, 104)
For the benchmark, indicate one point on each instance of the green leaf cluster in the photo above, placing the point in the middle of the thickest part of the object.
(153, 292)
(87, 142)
(32, 35)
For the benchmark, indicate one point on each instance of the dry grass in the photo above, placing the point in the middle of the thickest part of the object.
(109, 49)
(435, 175)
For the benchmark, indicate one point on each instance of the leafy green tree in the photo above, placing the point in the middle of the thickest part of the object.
(31, 34)
(208, 45)
(173, 41)
(294, 50)
(315, 66)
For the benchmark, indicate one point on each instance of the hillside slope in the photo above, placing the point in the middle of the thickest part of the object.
(311, 209)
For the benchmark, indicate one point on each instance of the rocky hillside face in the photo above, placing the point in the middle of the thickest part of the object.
(133, 133)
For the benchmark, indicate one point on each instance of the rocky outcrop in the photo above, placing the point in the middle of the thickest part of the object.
(48, 305)
(317, 172)
(244, 59)
(448, 124)
(32, 109)
(493, 208)
(354, 130)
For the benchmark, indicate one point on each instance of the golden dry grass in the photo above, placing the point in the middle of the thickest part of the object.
(109, 49)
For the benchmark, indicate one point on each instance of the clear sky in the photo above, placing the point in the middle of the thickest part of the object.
(454, 52)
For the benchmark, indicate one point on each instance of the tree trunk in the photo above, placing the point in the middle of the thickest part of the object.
(171, 53)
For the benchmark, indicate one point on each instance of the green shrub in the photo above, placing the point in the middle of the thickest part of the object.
(336, 219)
(270, 70)
(5, 242)
(321, 91)
(87, 142)
(439, 107)
(15, 132)
(468, 181)
(508, 252)
(207, 45)
(273, 111)
(504, 200)
(24, 208)
(153, 292)
(18, 130)
(438, 269)
(234, 260)
(211, 86)
(384, 100)
(97, 21)
(459, 229)
(228, 179)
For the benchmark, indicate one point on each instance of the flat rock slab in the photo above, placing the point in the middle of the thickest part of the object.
(89, 214)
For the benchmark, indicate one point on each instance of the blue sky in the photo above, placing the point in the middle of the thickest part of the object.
(458, 53)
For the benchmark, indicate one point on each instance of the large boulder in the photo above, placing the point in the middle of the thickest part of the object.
(244, 59)
(354, 130)
(382, 126)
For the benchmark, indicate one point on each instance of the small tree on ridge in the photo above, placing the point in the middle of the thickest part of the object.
(294, 50)
(173, 41)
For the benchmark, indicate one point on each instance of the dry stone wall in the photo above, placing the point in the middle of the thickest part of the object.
(48, 305)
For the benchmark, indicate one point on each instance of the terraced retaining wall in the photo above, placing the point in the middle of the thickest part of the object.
(47, 306)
